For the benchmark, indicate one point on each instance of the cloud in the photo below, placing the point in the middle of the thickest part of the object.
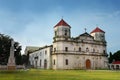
(36, 28)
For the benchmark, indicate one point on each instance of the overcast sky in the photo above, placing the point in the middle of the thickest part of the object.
(31, 22)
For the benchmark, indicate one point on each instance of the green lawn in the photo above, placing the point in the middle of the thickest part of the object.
(37, 74)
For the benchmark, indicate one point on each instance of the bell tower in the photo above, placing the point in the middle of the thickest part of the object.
(62, 36)
(62, 31)
(98, 34)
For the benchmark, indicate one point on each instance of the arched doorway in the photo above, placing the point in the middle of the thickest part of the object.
(117, 66)
(88, 64)
(45, 64)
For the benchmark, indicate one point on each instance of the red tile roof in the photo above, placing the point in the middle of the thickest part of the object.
(97, 30)
(116, 62)
(62, 23)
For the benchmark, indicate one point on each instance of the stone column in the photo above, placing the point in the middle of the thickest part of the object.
(11, 61)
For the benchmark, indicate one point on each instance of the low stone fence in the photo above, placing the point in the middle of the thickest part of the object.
(3, 67)
(20, 67)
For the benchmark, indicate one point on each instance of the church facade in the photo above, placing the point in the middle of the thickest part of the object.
(86, 51)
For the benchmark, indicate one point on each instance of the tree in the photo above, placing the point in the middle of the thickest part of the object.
(17, 53)
(25, 60)
(5, 44)
(116, 56)
(110, 58)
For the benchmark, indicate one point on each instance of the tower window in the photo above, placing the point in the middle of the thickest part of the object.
(66, 48)
(96, 35)
(45, 52)
(54, 49)
(65, 32)
(104, 51)
(55, 33)
(66, 61)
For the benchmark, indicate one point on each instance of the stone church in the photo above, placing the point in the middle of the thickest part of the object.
(86, 51)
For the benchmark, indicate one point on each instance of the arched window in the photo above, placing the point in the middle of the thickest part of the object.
(45, 63)
(93, 50)
(55, 33)
(54, 62)
(104, 51)
(87, 49)
(79, 48)
(54, 49)
(66, 49)
(45, 52)
(40, 53)
(40, 62)
(66, 61)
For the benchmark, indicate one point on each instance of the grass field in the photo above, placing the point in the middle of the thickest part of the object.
(37, 74)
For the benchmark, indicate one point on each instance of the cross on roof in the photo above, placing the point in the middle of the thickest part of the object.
(85, 29)
(62, 17)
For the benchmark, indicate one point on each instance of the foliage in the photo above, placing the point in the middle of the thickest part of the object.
(37, 74)
(25, 60)
(5, 44)
(110, 58)
(114, 57)
(4, 48)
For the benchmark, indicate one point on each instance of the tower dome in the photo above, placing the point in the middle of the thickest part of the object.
(62, 23)
(97, 29)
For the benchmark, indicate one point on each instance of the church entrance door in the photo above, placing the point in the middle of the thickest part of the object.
(88, 64)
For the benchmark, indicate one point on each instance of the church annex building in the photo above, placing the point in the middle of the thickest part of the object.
(86, 51)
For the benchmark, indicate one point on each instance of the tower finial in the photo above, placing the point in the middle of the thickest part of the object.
(96, 25)
(62, 17)
(85, 30)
